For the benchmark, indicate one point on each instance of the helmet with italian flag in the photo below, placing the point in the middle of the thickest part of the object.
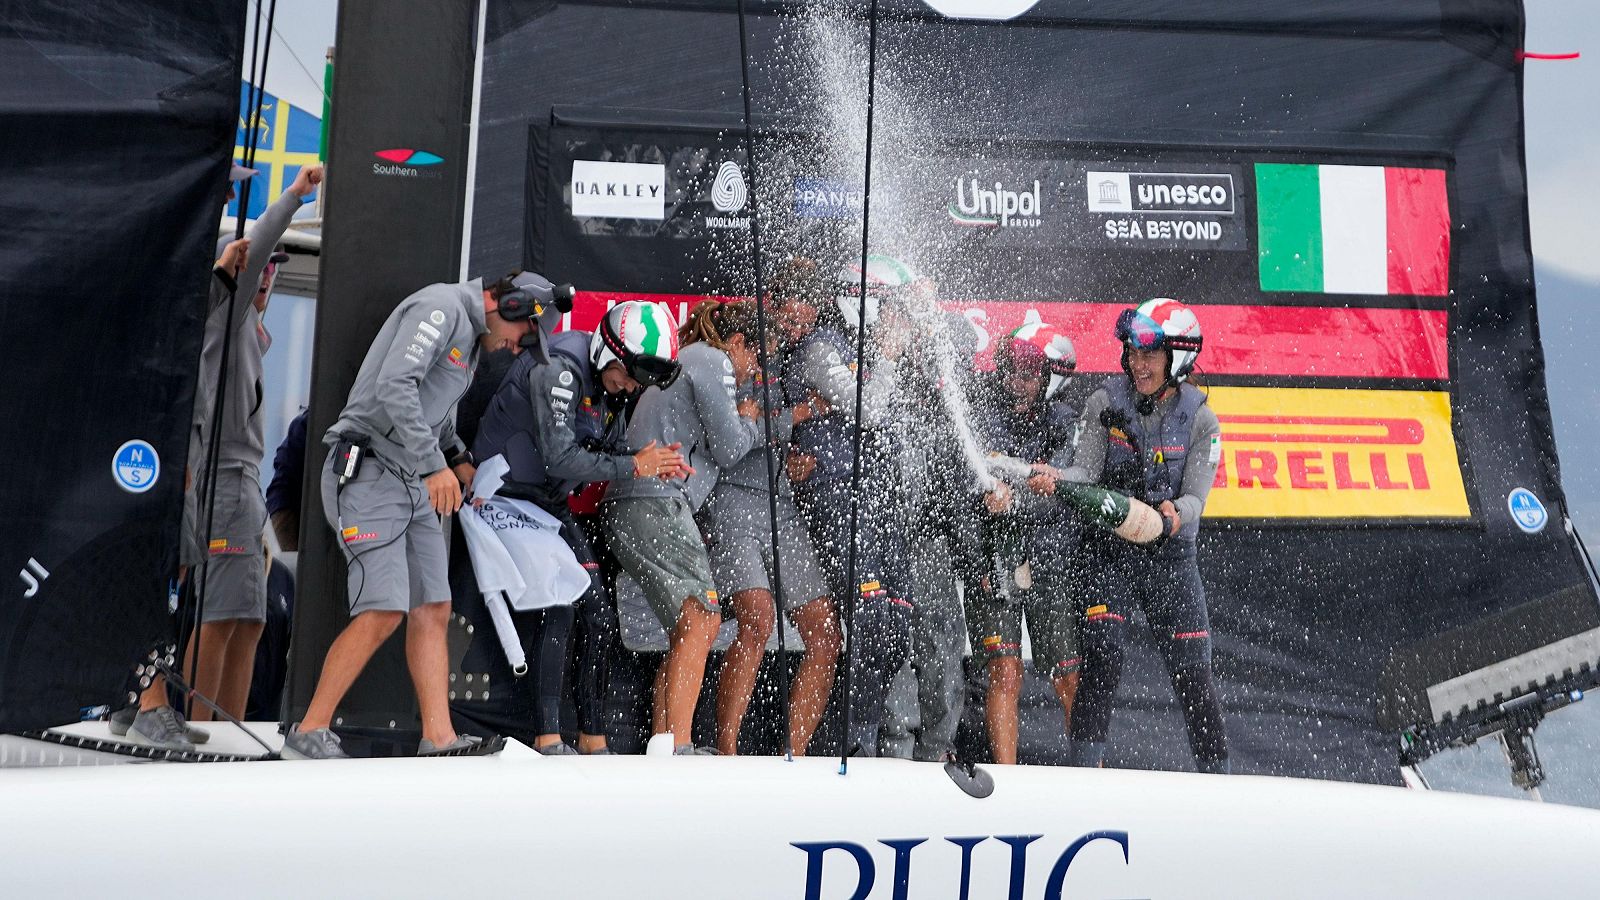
(643, 337)
(1158, 324)
(886, 276)
(1039, 348)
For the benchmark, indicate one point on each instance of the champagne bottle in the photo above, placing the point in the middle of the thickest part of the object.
(1130, 519)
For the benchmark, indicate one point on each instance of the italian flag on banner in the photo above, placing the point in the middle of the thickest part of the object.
(1353, 229)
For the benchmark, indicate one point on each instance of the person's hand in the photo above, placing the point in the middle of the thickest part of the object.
(1042, 484)
(749, 408)
(800, 413)
(1170, 512)
(444, 492)
(819, 405)
(998, 498)
(306, 181)
(655, 461)
(465, 472)
(233, 256)
(800, 466)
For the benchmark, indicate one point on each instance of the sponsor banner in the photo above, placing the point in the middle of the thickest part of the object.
(618, 190)
(1353, 229)
(1241, 341)
(821, 198)
(1305, 453)
(1156, 206)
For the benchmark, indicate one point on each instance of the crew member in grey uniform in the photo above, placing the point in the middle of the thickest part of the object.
(560, 419)
(396, 466)
(822, 370)
(654, 535)
(1150, 434)
(234, 591)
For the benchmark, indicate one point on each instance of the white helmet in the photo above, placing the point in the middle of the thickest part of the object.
(1043, 349)
(643, 337)
(1159, 323)
(885, 277)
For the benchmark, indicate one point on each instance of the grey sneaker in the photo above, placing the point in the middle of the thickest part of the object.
(318, 743)
(426, 747)
(559, 748)
(603, 751)
(692, 750)
(122, 720)
(159, 727)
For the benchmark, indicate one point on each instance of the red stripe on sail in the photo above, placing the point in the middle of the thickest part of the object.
(1270, 341)
(1418, 209)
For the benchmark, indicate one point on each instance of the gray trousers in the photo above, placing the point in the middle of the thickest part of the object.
(927, 695)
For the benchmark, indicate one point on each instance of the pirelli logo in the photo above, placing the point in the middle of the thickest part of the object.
(1316, 453)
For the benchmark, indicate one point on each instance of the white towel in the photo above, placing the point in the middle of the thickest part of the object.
(528, 560)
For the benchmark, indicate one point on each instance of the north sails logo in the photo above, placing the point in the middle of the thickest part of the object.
(406, 162)
(979, 206)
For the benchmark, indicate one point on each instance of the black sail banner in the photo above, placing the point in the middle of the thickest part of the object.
(1332, 187)
(116, 166)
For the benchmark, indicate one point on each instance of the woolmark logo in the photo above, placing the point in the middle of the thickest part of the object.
(618, 190)
(1160, 192)
(406, 162)
(728, 192)
(979, 206)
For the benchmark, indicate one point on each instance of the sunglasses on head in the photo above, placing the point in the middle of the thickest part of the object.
(1140, 331)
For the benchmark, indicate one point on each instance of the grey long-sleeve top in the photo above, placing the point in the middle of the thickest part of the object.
(1199, 468)
(699, 412)
(421, 362)
(243, 440)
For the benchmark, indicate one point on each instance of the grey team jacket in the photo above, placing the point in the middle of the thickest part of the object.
(697, 411)
(243, 439)
(405, 394)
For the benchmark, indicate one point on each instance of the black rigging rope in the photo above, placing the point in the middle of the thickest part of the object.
(861, 372)
(770, 448)
(207, 484)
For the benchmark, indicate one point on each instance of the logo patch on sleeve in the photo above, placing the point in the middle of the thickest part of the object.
(455, 358)
(561, 392)
(436, 317)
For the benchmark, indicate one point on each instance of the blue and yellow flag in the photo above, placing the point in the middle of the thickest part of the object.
(287, 137)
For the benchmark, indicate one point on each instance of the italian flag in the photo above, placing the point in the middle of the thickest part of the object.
(1353, 229)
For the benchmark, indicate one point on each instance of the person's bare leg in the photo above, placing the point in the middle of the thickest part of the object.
(692, 638)
(428, 657)
(154, 696)
(234, 693)
(813, 681)
(741, 665)
(1066, 687)
(591, 743)
(1000, 707)
(658, 699)
(347, 656)
(214, 640)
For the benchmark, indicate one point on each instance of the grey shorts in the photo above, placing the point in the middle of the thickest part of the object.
(656, 540)
(394, 547)
(738, 522)
(235, 585)
(995, 627)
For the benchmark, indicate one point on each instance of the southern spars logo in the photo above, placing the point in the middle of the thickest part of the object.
(1161, 206)
(136, 466)
(407, 162)
(818, 198)
(983, 204)
(729, 194)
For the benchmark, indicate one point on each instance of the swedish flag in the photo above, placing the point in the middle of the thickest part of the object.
(287, 138)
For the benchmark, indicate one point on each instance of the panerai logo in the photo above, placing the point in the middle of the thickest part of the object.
(978, 205)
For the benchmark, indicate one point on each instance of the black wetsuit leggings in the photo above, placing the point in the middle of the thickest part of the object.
(1166, 584)
(879, 615)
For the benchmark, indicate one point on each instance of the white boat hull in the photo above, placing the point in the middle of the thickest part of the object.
(644, 826)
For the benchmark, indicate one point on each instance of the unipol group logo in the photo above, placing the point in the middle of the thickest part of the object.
(982, 9)
(406, 162)
(980, 205)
